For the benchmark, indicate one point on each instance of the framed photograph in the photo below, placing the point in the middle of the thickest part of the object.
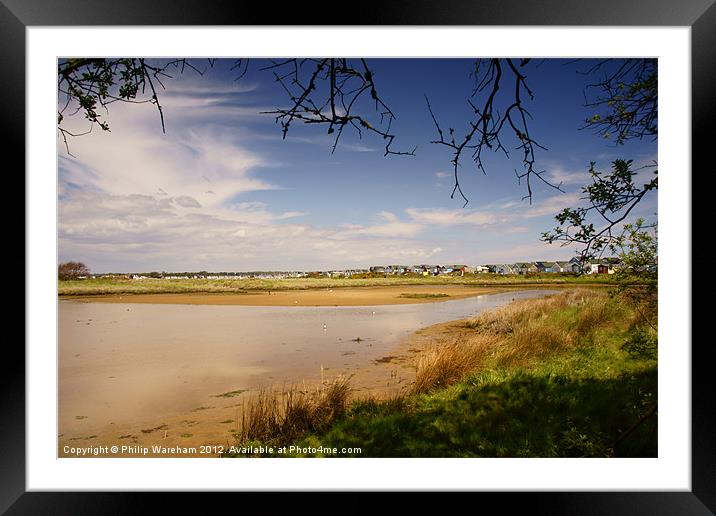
(416, 250)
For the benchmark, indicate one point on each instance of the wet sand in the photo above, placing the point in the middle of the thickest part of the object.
(345, 296)
(156, 374)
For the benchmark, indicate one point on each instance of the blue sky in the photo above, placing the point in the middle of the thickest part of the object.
(222, 191)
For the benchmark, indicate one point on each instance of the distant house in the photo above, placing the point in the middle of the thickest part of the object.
(566, 267)
(614, 262)
(545, 266)
(599, 268)
(591, 266)
(378, 269)
(353, 272)
(422, 269)
(525, 267)
(560, 267)
(478, 269)
(602, 266)
(504, 268)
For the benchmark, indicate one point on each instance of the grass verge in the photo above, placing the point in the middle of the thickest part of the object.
(425, 295)
(573, 375)
(119, 285)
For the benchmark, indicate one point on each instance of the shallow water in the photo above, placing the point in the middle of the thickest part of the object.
(126, 363)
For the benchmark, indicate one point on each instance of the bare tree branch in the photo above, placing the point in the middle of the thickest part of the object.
(329, 92)
(488, 125)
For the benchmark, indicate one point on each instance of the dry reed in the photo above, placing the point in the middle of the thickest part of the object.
(512, 335)
(272, 416)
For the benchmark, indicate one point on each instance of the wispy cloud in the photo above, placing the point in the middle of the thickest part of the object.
(559, 175)
(356, 147)
(550, 205)
(445, 217)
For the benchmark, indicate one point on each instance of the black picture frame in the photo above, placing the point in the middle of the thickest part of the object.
(17, 15)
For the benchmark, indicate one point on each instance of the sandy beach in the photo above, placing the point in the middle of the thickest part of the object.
(347, 296)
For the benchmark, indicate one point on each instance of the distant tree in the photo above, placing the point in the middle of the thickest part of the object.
(72, 270)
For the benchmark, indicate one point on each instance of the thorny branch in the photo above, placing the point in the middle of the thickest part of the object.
(488, 125)
(240, 66)
(329, 91)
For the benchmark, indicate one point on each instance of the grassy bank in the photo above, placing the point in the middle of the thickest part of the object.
(574, 375)
(105, 286)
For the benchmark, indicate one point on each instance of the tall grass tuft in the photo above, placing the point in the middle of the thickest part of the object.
(282, 417)
(441, 365)
(514, 335)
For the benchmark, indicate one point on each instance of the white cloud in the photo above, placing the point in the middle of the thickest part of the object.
(558, 175)
(388, 216)
(136, 158)
(186, 201)
(551, 205)
(395, 229)
(354, 147)
(444, 217)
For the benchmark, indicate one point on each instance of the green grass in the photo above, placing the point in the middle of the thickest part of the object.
(230, 394)
(201, 408)
(104, 286)
(560, 377)
(424, 295)
(506, 415)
